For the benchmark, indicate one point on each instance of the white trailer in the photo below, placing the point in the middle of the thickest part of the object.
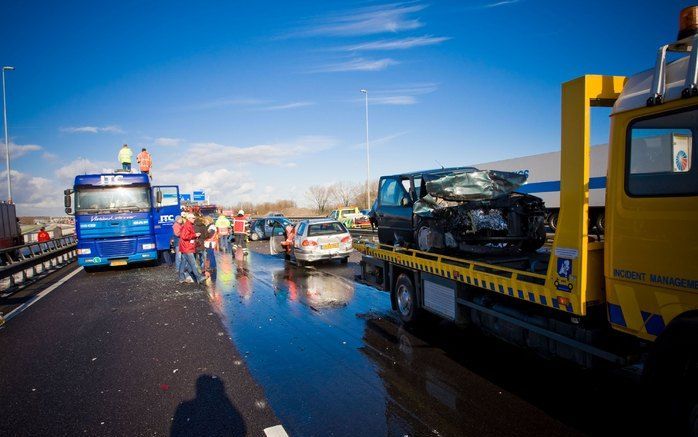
(543, 172)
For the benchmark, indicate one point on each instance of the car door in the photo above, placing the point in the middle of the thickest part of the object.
(164, 213)
(277, 235)
(394, 212)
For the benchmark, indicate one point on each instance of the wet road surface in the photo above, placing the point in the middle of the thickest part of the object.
(125, 352)
(131, 352)
(333, 360)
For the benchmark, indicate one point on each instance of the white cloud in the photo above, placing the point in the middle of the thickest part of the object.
(277, 154)
(392, 18)
(93, 129)
(357, 64)
(393, 100)
(397, 44)
(405, 95)
(498, 4)
(33, 195)
(169, 142)
(291, 105)
(66, 174)
(19, 150)
(49, 156)
(221, 185)
(380, 141)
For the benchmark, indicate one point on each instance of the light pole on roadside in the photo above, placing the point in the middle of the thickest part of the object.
(368, 156)
(7, 142)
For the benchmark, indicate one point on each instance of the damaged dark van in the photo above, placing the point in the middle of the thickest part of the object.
(459, 210)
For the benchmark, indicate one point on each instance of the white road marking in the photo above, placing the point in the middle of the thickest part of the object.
(40, 296)
(275, 431)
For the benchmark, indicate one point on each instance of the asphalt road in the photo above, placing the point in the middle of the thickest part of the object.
(120, 352)
(126, 352)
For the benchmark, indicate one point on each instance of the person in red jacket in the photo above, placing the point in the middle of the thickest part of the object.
(187, 247)
(43, 236)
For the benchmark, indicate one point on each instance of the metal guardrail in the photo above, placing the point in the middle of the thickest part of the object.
(21, 265)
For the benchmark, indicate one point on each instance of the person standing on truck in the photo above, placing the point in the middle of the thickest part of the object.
(187, 247)
(43, 236)
(145, 161)
(240, 230)
(223, 226)
(125, 155)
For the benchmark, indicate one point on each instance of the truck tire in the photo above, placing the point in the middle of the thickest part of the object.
(406, 299)
(672, 372)
(600, 222)
(552, 220)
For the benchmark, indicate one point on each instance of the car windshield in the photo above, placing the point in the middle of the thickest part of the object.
(330, 228)
(111, 199)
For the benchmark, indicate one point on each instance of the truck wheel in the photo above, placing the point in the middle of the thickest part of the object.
(552, 220)
(600, 222)
(672, 371)
(406, 299)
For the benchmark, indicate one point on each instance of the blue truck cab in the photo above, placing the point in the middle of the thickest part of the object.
(121, 218)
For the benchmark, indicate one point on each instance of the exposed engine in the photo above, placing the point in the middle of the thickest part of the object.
(508, 223)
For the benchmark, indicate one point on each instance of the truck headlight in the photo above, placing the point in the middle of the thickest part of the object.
(86, 251)
(149, 246)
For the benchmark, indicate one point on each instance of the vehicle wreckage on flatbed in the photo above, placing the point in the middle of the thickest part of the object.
(460, 209)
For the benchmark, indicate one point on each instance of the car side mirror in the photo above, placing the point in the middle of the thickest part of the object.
(404, 201)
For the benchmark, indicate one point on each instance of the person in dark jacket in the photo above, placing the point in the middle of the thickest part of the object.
(187, 247)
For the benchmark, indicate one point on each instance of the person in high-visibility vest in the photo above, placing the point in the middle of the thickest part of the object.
(125, 155)
(223, 225)
(145, 161)
(240, 230)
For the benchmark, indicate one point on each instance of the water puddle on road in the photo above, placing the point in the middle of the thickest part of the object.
(334, 361)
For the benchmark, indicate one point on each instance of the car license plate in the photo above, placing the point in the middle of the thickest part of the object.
(330, 246)
(118, 262)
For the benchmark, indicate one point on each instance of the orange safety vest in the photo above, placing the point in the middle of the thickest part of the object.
(145, 161)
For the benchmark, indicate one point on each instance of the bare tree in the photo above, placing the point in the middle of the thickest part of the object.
(358, 195)
(342, 193)
(320, 196)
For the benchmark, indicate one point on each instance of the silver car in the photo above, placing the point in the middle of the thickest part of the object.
(315, 240)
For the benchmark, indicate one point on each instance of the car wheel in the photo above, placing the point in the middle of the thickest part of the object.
(406, 299)
(254, 236)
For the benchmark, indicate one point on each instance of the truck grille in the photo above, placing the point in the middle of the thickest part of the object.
(117, 248)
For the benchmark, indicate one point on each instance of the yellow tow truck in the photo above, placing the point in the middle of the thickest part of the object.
(627, 298)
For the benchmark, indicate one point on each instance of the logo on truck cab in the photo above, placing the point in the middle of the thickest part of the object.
(111, 180)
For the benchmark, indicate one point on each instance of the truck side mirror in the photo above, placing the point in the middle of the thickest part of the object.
(158, 196)
(68, 210)
(66, 200)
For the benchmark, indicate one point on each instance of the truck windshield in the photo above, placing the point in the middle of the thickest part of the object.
(111, 200)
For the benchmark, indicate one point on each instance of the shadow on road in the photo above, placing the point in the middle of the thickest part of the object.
(211, 413)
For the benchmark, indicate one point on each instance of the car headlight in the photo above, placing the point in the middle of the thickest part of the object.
(86, 251)
(149, 246)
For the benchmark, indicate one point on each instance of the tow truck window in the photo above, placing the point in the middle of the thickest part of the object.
(660, 154)
(111, 200)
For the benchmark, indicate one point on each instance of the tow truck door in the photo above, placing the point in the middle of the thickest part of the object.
(164, 213)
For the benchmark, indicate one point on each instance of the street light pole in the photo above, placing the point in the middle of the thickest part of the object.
(7, 142)
(368, 157)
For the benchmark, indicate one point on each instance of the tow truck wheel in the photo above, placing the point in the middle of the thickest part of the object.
(406, 299)
(552, 220)
(600, 222)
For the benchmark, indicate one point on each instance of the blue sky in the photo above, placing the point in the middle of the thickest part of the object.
(259, 100)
